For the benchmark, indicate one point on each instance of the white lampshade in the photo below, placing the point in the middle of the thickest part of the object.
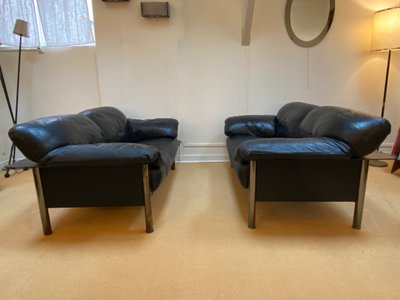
(386, 30)
(21, 28)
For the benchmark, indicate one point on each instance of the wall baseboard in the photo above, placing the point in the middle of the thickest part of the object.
(204, 145)
(3, 164)
(195, 158)
(202, 152)
(386, 147)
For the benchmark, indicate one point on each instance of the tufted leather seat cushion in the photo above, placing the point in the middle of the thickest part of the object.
(103, 154)
(292, 148)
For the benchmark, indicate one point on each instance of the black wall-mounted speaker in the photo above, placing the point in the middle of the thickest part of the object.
(155, 9)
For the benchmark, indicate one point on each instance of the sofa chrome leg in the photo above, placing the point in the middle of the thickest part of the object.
(44, 212)
(359, 205)
(252, 196)
(147, 199)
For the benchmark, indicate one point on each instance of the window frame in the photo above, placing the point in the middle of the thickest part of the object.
(42, 41)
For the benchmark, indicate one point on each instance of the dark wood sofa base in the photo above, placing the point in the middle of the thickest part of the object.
(87, 193)
(315, 180)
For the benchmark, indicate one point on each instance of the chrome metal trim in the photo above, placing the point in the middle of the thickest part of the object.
(252, 196)
(147, 199)
(359, 205)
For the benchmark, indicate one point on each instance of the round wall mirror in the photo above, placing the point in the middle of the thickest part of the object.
(308, 21)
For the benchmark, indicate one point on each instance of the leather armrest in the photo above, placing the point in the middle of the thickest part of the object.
(139, 130)
(104, 154)
(255, 125)
(292, 148)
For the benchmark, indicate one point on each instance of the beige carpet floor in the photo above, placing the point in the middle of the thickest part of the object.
(201, 247)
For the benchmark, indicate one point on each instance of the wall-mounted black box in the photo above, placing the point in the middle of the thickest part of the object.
(155, 9)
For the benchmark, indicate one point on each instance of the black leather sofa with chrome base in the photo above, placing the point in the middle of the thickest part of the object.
(304, 153)
(97, 158)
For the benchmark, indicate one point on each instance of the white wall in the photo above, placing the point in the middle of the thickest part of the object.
(65, 81)
(192, 67)
(187, 67)
(56, 82)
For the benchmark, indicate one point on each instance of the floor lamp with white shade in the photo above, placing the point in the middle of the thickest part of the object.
(20, 29)
(385, 37)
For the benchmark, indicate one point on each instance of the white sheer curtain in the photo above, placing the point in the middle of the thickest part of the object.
(18, 9)
(65, 22)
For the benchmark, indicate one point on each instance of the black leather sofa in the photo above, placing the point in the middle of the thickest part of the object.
(97, 158)
(304, 153)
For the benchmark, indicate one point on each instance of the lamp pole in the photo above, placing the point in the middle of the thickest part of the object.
(19, 71)
(381, 163)
(385, 37)
(20, 29)
(12, 150)
(11, 159)
(386, 83)
(3, 83)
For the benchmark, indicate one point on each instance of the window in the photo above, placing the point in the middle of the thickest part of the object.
(56, 23)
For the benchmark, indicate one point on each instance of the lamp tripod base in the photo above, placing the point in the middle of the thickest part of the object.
(11, 161)
(378, 163)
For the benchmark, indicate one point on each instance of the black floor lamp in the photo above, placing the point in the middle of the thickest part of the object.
(20, 29)
(3, 83)
(385, 37)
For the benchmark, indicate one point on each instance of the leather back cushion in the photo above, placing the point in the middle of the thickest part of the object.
(112, 122)
(253, 125)
(38, 137)
(289, 118)
(363, 132)
(140, 130)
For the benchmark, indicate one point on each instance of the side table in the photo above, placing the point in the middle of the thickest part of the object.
(24, 164)
(396, 152)
(378, 155)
